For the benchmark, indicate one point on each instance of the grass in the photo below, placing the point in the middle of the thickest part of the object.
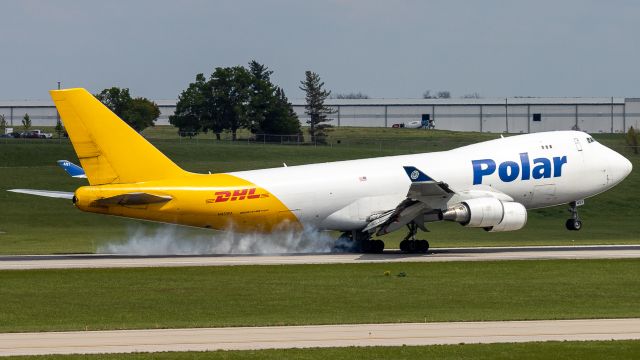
(570, 350)
(30, 224)
(96, 299)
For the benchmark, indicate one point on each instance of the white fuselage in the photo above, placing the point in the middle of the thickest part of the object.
(536, 170)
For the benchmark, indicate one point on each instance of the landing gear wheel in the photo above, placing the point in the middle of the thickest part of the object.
(573, 224)
(404, 245)
(377, 246)
(366, 246)
(414, 246)
(410, 244)
(422, 246)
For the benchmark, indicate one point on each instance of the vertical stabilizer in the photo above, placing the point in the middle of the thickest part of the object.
(110, 151)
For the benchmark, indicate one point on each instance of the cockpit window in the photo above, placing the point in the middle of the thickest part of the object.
(590, 140)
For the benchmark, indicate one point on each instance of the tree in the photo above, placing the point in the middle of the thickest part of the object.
(280, 119)
(427, 95)
(230, 97)
(315, 96)
(139, 113)
(262, 96)
(116, 99)
(632, 139)
(59, 128)
(26, 122)
(474, 95)
(352, 95)
(3, 124)
(269, 112)
(444, 94)
(234, 98)
(191, 108)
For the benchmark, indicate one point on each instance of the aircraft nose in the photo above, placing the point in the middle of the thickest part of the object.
(620, 166)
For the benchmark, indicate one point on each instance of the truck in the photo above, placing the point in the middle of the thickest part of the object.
(37, 134)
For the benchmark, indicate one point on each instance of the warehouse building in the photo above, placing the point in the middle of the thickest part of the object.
(511, 115)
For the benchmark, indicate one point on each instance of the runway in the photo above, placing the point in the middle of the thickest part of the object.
(251, 338)
(435, 255)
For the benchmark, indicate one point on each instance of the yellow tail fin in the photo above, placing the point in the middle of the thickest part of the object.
(110, 151)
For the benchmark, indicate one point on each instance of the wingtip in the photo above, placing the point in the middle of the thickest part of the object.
(415, 175)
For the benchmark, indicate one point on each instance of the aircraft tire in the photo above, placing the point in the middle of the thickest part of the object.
(378, 246)
(422, 246)
(573, 224)
(404, 245)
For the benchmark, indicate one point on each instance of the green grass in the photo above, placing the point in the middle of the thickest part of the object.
(569, 350)
(93, 299)
(30, 224)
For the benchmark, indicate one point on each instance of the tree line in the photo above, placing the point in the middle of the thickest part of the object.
(229, 99)
(232, 98)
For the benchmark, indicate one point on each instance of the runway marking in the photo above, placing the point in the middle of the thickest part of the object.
(253, 338)
(437, 255)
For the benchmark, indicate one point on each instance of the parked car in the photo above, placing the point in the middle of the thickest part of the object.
(35, 134)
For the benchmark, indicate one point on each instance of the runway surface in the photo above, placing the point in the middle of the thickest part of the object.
(247, 338)
(435, 255)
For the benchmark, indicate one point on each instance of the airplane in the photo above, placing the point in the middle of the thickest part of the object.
(488, 185)
(72, 169)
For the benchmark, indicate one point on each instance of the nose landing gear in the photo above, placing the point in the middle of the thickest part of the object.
(574, 223)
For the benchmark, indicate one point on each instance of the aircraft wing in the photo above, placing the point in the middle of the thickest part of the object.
(46, 193)
(425, 201)
(425, 198)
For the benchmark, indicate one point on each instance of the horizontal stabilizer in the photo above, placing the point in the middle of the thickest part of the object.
(46, 193)
(134, 199)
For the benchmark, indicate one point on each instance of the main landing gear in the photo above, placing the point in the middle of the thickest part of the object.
(574, 222)
(358, 241)
(410, 244)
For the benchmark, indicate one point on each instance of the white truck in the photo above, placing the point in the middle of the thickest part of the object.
(39, 134)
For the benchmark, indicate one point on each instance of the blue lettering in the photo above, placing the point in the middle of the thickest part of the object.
(508, 171)
(543, 169)
(526, 168)
(482, 168)
(557, 165)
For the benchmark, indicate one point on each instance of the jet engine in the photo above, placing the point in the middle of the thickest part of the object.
(488, 213)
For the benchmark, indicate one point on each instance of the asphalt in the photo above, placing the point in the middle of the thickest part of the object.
(251, 338)
(23, 262)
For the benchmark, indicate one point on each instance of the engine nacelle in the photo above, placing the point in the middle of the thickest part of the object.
(515, 218)
(488, 213)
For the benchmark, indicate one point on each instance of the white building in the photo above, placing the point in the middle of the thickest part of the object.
(513, 115)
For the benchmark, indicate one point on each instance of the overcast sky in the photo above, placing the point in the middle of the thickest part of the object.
(390, 49)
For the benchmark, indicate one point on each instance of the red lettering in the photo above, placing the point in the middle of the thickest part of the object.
(239, 194)
(252, 194)
(222, 196)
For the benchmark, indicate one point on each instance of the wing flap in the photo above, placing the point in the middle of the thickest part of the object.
(425, 195)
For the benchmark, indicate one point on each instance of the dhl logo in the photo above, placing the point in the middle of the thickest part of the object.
(236, 195)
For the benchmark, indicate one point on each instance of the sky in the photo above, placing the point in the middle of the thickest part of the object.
(385, 49)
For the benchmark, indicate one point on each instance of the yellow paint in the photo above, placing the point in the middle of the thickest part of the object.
(117, 160)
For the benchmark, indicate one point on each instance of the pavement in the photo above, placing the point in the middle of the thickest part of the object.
(23, 262)
(251, 338)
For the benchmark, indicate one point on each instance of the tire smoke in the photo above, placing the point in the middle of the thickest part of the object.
(176, 240)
